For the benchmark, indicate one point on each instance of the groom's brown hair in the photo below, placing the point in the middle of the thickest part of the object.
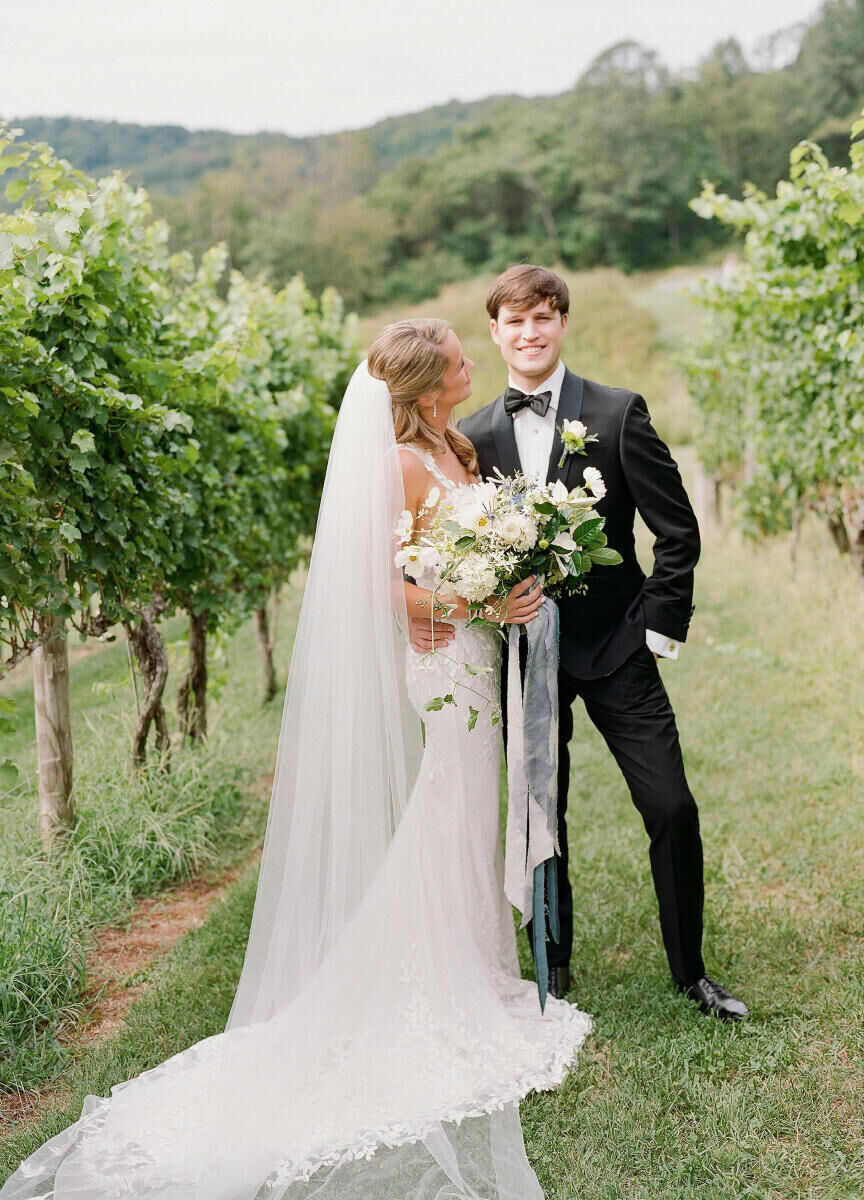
(524, 286)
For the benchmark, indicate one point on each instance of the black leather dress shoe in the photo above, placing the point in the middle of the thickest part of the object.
(714, 999)
(559, 982)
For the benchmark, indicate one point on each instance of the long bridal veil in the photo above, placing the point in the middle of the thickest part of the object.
(350, 741)
(380, 1038)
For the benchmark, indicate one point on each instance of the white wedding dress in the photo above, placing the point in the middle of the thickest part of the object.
(396, 1069)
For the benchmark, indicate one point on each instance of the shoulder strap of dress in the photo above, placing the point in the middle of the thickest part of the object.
(428, 462)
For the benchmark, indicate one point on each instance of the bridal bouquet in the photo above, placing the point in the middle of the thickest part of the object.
(486, 537)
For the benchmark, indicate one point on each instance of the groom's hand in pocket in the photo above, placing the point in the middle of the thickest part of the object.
(425, 637)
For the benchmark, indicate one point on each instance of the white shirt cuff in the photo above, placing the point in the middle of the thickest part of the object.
(658, 643)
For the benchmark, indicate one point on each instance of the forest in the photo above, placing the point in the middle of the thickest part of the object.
(600, 175)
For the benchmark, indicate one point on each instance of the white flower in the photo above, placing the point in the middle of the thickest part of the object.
(480, 522)
(409, 556)
(518, 530)
(433, 498)
(563, 548)
(594, 482)
(474, 579)
(574, 437)
(573, 429)
(475, 508)
(559, 494)
(418, 558)
(404, 527)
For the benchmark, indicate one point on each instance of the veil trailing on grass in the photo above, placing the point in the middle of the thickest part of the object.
(381, 1036)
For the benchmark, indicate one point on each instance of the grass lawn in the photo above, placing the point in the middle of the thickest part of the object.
(769, 693)
(664, 1102)
(132, 836)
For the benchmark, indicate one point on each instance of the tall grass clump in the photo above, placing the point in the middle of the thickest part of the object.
(132, 837)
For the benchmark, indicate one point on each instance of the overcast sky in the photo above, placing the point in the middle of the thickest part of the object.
(308, 66)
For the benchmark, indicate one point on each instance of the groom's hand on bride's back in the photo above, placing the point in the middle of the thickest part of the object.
(426, 637)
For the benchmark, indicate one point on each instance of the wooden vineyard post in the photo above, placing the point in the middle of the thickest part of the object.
(53, 734)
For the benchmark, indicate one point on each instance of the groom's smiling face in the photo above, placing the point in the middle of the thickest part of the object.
(530, 340)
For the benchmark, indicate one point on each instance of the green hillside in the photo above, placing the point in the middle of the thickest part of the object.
(170, 157)
(600, 175)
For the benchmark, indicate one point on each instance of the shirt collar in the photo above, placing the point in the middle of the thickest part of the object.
(552, 384)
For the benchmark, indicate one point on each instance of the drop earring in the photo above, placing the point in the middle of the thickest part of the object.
(435, 409)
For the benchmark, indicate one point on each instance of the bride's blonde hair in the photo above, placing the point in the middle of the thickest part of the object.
(410, 357)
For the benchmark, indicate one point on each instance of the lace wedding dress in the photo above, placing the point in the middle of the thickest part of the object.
(395, 1070)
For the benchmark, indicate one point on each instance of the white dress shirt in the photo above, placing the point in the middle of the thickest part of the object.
(534, 436)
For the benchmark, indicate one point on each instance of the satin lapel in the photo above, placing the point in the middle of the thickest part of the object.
(505, 439)
(569, 409)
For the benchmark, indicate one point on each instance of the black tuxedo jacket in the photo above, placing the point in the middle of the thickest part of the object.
(601, 629)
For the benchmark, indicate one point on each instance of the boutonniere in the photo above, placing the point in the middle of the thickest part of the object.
(575, 437)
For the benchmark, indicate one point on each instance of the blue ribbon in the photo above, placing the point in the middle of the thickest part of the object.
(533, 777)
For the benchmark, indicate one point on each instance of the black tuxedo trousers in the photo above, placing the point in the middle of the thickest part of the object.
(631, 709)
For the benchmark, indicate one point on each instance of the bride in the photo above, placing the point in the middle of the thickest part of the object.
(381, 1037)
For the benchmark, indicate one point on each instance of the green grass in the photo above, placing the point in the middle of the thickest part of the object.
(769, 693)
(189, 997)
(664, 1102)
(132, 837)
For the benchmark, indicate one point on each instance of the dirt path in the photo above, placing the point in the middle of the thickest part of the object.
(117, 971)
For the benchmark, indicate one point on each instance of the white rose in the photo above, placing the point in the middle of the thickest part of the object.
(510, 530)
(518, 530)
(574, 428)
(594, 482)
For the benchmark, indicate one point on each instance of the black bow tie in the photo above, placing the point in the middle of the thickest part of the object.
(515, 401)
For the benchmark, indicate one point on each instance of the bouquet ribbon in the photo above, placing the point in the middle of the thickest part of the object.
(531, 843)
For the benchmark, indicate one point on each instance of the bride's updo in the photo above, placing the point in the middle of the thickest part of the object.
(410, 357)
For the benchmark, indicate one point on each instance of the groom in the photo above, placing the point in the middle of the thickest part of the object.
(612, 635)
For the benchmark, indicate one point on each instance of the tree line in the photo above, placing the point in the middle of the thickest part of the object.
(599, 175)
(164, 430)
